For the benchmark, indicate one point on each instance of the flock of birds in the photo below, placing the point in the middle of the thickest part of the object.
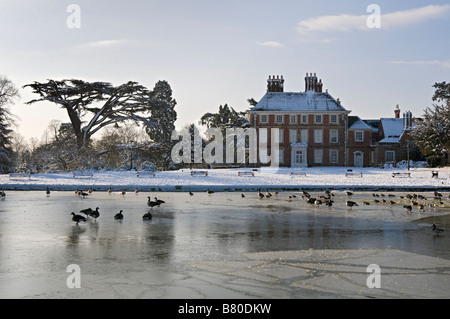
(409, 202)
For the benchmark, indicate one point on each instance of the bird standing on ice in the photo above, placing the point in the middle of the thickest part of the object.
(437, 231)
(78, 218)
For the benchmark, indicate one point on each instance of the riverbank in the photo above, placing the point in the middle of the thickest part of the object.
(362, 179)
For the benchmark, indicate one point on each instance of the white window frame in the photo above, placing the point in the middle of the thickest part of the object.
(304, 118)
(336, 152)
(276, 119)
(356, 136)
(315, 119)
(318, 156)
(293, 119)
(335, 116)
(266, 116)
(293, 136)
(318, 140)
(304, 136)
(281, 137)
(332, 132)
(386, 156)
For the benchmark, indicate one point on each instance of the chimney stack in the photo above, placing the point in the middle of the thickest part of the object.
(275, 84)
(311, 83)
(397, 112)
(407, 120)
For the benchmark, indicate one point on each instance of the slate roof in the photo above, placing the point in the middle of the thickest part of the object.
(293, 101)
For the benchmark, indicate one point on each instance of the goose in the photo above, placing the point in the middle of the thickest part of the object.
(351, 203)
(366, 203)
(78, 218)
(349, 193)
(95, 214)
(123, 192)
(376, 201)
(2, 194)
(109, 190)
(119, 216)
(436, 194)
(329, 203)
(392, 202)
(268, 194)
(408, 207)
(86, 211)
(159, 201)
(275, 192)
(152, 203)
(311, 200)
(421, 207)
(147, 216)
(260, 195)
(136, 191)
(317, 202)
(90, 191)
(191, 194)
(48, 191)
(210, 192)
(437, 231)
(242, 196)
(82, 194)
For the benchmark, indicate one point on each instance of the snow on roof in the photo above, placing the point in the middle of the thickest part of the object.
(392, 129)
(293, 101)
(359, 125)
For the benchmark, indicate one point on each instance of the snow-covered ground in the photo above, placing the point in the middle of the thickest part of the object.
(229, 180)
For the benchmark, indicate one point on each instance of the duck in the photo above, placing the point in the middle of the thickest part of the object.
(351, 203)
(147, 216)
(437, 231)
(78, 218)
(95, 214)
(119, 215)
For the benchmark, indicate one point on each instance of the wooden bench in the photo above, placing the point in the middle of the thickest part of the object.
(199, 173)
(19, 175)
(145, 173)
(401, 174)
(246, 174)
(297, 173)
(351, 173)
(82, 174)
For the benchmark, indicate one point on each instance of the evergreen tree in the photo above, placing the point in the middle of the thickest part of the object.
(432, 131)
(164, 116)
(8, 92)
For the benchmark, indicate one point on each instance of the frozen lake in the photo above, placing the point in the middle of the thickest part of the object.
(211, 246)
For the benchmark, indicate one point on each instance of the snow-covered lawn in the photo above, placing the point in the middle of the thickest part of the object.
(228, 180)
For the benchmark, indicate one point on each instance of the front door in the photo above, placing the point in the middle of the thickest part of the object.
(358, 159)
(299, 158)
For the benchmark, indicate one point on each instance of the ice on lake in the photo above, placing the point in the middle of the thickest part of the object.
(220, 246)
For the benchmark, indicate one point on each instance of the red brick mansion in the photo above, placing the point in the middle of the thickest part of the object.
(316, 129)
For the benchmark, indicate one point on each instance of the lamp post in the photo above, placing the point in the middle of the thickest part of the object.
(131, 155)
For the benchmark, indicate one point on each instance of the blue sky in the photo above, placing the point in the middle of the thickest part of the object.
(217, 52)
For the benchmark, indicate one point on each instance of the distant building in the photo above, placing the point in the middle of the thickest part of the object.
(316, 129)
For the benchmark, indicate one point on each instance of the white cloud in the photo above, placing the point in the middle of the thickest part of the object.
(273, 44)
(445, 64)
(346, 22)
(106, 43)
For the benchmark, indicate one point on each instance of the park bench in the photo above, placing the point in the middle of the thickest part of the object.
(350, 173)
(297, 173)
(401, 174)
(199, 173)
(82, 174)
(246, 174)
(19, 175)
(145, 173)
